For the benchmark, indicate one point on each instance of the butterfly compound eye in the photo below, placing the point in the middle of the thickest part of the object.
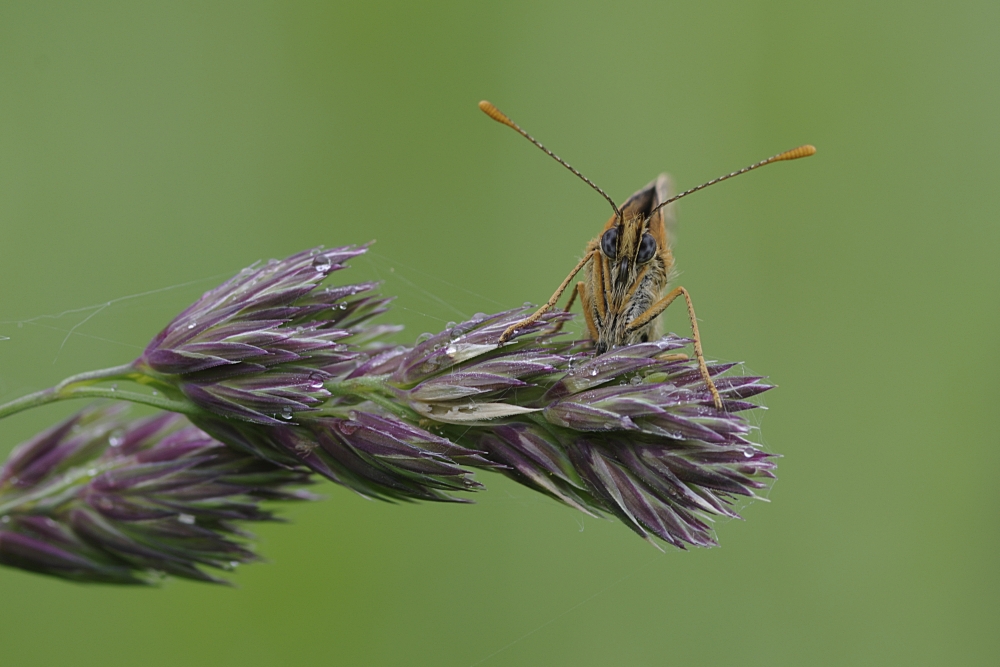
(647, 248)
(609, 243)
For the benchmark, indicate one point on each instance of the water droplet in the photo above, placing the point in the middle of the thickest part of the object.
(348, 428)
(528, 304)
(636, 380)
(192, 325)
(749, 452)
(186, 519)
(117, 438)
(342, 306)
(451, 350)
(322, 263)
(316, 380)
(156, 393)
(286, 413)
(430, 366)
(593, 373)
(424, 337)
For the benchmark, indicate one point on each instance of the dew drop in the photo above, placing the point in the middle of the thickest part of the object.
(286, 413)
(316, 380)
(186, 519)
(527, 304)
(156, 393)
(117, 438)
(429, 366)
(342, 306)
(636, 380)
(451, 350)
(424, 337)
(192, 325)
(322, 263)
(749, 452)
(593, 373)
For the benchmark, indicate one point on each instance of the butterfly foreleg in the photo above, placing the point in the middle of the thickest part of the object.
(654, 311)
(505, 336)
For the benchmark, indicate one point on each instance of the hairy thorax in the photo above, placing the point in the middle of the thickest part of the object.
(622, 288)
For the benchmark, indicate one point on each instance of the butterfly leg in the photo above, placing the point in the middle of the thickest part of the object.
(534, 317)
(569, 304)
(653, 311)
(588, 310)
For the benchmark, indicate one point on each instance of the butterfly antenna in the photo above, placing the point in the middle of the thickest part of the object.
(501, 117)
(794, 154)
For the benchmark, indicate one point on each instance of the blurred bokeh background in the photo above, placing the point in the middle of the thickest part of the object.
(149, 150)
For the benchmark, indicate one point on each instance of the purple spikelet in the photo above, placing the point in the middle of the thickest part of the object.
(100, 498)
(260, 347)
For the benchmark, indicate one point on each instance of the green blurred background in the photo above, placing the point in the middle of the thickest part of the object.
(148, 150)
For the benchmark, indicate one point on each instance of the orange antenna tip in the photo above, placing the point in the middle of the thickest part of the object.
(796, 153)
(494, 113)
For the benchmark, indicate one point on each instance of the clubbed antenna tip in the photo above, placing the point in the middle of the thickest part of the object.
(497, 115)
(796, 153)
